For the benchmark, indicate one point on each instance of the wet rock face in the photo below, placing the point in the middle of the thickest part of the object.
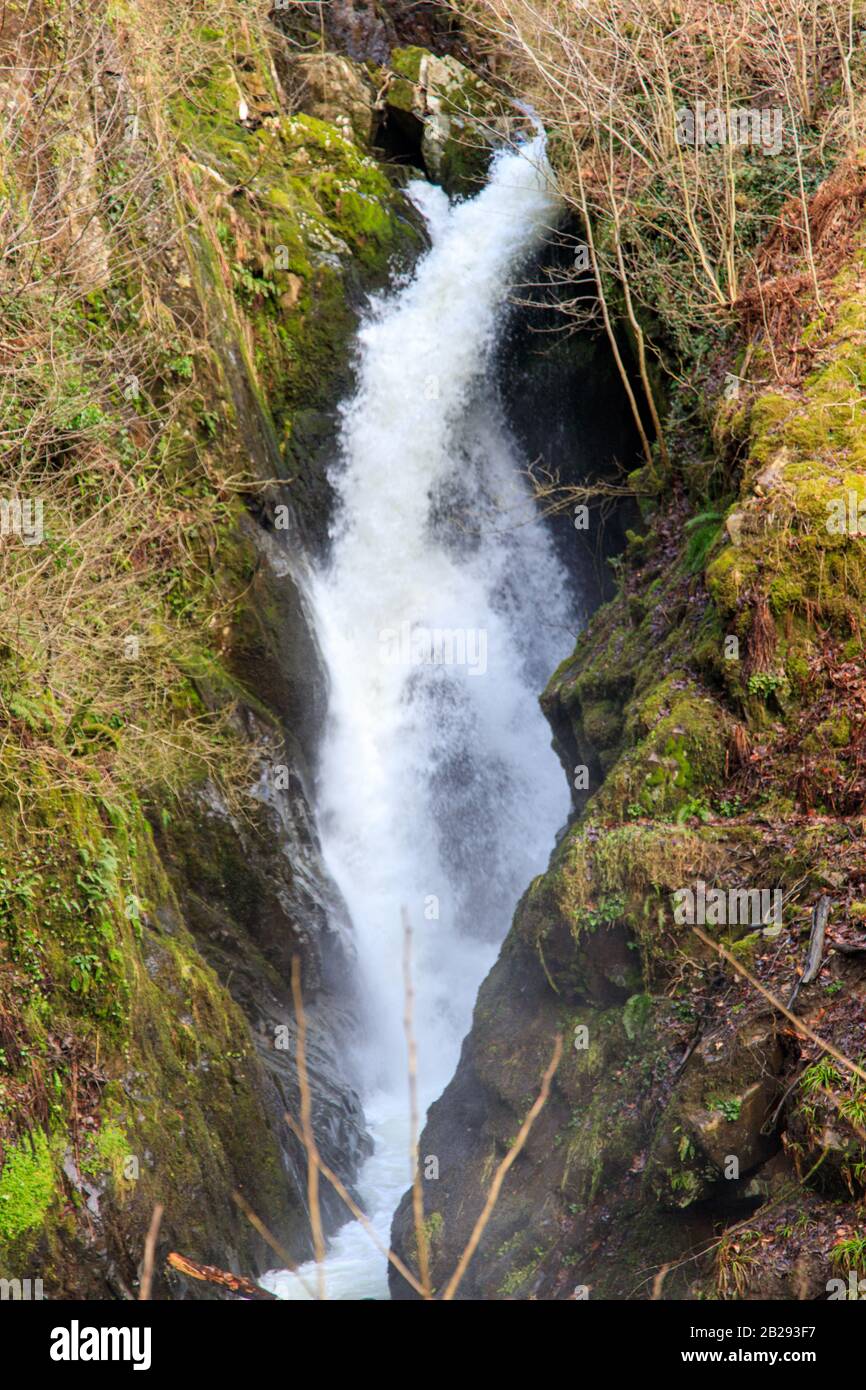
(572, 1211)
(718, 1126)
(252, 885)
(642, 1145)
(567, 408)
(468, 1127)
(689, 1106)
(367, 30)
(274, 653)
(256, 896)
(255, 893)
(335, 90)
(596, 966)
(448, 115)
(422, 106)
(363, 30)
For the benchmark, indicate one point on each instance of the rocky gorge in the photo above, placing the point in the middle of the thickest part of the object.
(228, 191)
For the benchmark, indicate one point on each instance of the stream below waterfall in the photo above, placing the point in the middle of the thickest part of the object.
(441, 612)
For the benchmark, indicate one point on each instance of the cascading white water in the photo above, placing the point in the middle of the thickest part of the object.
(440, 615)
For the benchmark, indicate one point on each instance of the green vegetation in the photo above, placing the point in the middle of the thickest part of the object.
(717, 698)
(27, 1185)
(180, 310)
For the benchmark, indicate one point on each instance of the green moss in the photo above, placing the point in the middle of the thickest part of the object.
(407, 61)
(434, 1225)
(602, 721)
(768, 414)
(636, 1014)
(516, 1278)
(836, 731)
(730, 576)
(703, 531)
(28, 1185)
(108, 1152)
(681, 751)
(746, 948)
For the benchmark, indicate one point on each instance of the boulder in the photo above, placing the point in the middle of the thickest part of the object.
(455, 117)
(335, 90)
(718, 1113)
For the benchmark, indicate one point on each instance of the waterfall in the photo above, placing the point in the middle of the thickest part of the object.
(441, 613)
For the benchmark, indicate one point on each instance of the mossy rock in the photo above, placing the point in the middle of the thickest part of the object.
(457, 117)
